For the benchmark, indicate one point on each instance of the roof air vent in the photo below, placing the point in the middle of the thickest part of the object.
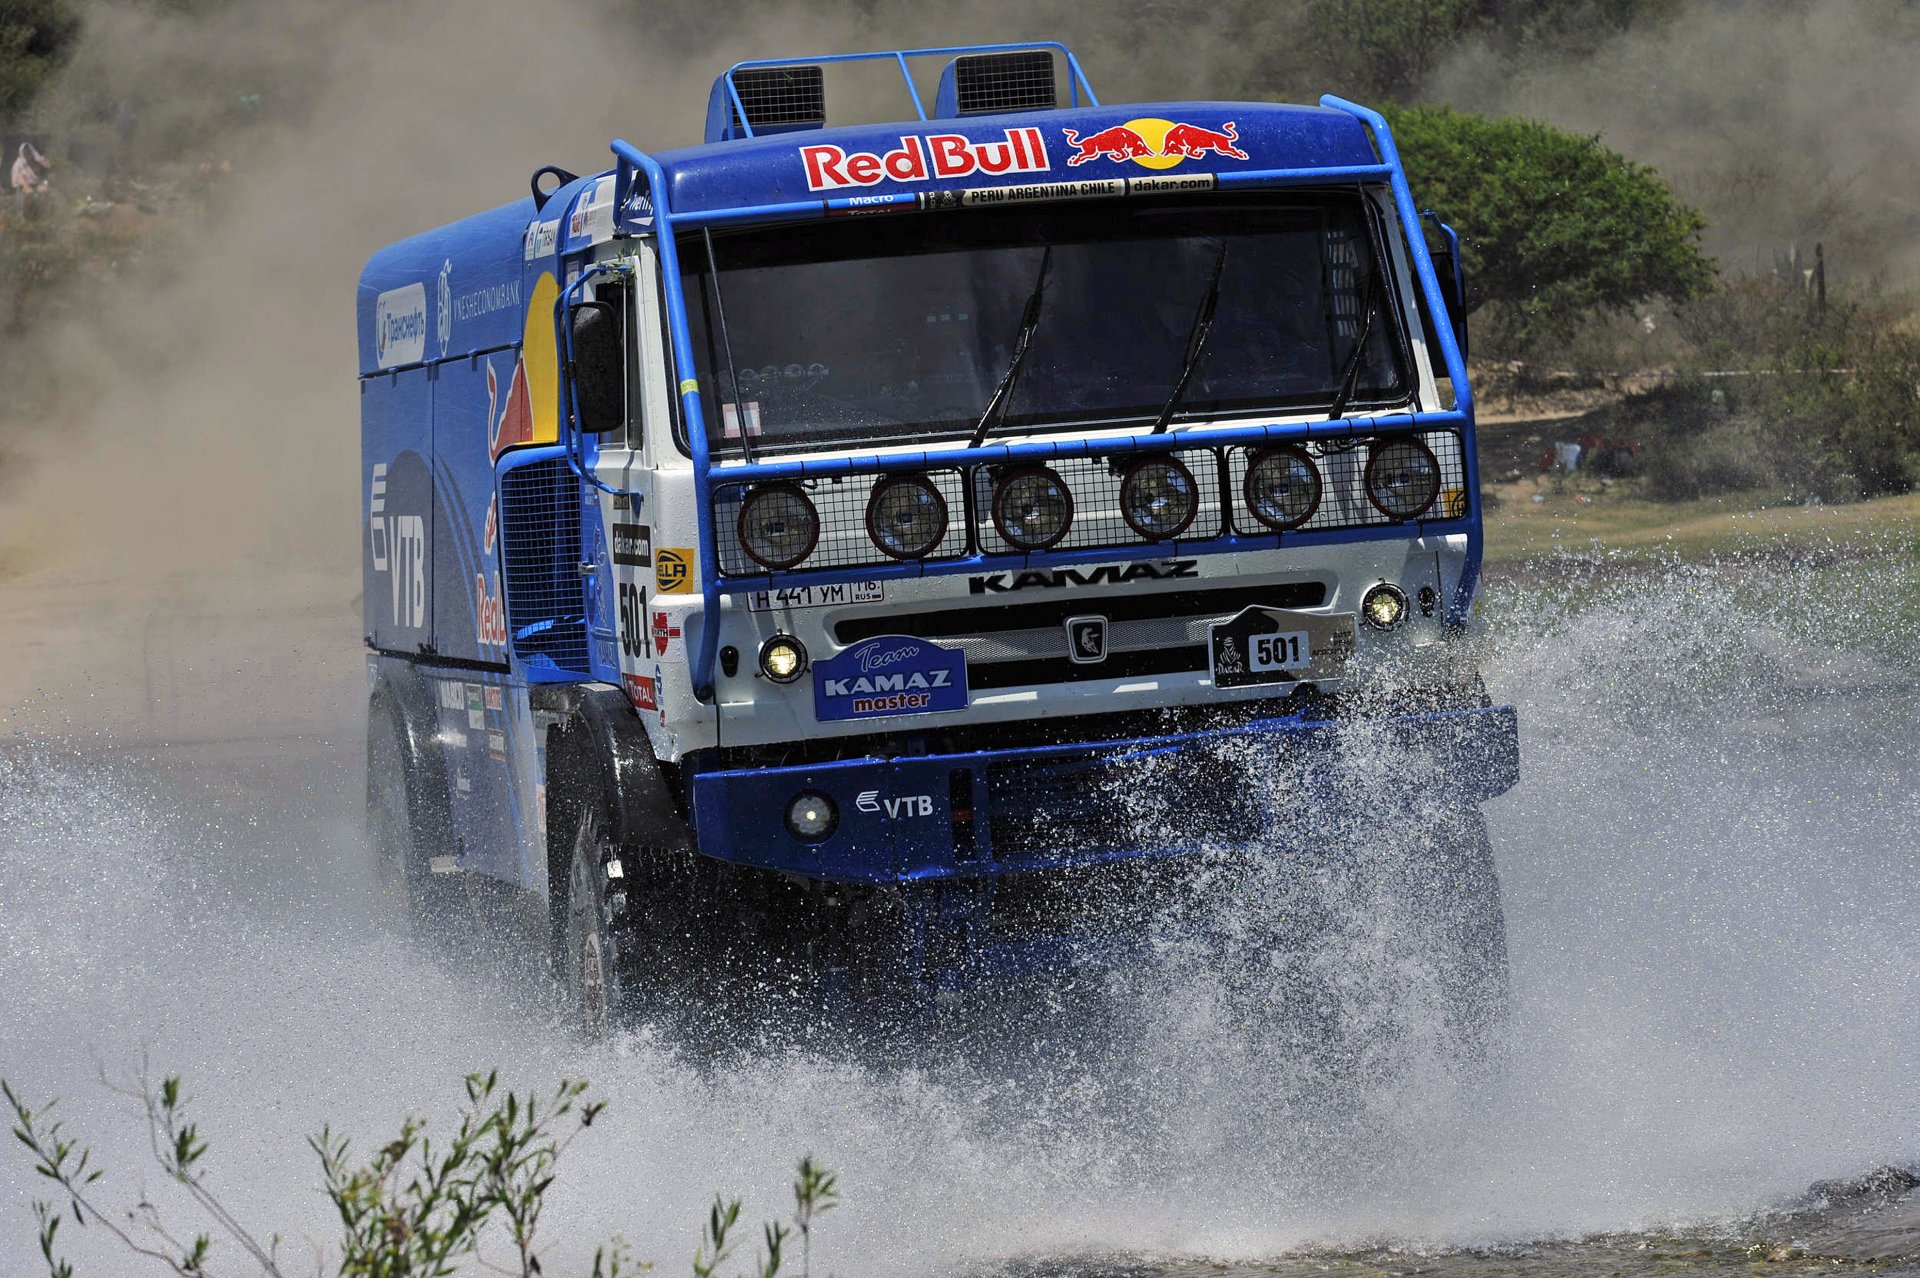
(993, 83)
(776, 100)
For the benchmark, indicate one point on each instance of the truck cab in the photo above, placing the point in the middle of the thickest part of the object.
(867, 530)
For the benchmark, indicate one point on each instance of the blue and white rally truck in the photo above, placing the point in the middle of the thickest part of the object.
(821, 537)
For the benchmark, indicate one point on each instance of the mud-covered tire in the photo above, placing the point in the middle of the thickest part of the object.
(402, 836)
(587, 950)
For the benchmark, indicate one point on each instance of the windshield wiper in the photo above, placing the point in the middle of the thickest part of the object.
(1196, 342)
(1022, 343)
(1350, 375)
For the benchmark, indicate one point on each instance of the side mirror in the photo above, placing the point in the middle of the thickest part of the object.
(598, 371)
(1453, 283)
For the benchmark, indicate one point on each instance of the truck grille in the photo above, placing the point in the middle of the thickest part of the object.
(540, 555)
(1023, 644)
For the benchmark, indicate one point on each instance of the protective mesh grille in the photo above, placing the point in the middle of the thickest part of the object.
(987, 83)
(1343, 493)
(775, 96)
(1095, 484)
(1097, 523)
(842, 505)
(540, 553)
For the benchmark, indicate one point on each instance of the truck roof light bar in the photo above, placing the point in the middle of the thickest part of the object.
(743, 107)
(996, 83)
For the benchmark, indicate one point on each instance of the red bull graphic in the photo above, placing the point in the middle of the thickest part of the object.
(1116, 143)
(917, 159)
(1190, 141)
(490, 612)
(1154, 143)
(513, 424)
(529, 411)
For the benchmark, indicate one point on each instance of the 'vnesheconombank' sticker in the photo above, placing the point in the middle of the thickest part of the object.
(892, 674)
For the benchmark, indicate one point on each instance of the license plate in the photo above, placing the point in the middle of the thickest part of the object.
(852, 592)
(1278, 645)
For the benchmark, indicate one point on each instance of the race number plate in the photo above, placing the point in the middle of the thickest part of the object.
(1276, 645)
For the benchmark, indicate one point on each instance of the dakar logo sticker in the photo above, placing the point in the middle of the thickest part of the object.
(1154, 143)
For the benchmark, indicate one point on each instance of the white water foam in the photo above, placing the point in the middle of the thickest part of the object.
(1710, 873)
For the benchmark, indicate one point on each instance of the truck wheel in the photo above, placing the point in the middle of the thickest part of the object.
(588, 949)
(1471, 936)
(402, 838)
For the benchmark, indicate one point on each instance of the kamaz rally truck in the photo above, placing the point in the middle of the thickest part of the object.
(845, 545)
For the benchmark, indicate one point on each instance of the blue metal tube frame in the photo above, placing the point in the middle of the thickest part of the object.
(1077, 82)
(633, 162)
(1462, 603)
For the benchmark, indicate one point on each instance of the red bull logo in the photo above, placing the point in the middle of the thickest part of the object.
(1154, 143)
(490, 612)
(513, 423)
(917, 159)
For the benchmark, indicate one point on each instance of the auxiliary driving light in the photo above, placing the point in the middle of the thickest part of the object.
(1158, 498)
(783, 658)
(1032, 508)
(1403, 478)
(1282, 488)
(906, 516)
(1384, 606)
(811, 816)
(778, 526)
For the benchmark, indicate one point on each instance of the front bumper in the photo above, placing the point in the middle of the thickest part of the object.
(988, 812)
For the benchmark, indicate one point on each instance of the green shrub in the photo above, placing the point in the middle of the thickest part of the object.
(414, 1209)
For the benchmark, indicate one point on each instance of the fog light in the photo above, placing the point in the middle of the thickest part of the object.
(1384, 606)
(1032, 508)
(1158, 498)
(1403, 478)
(811, 816)
(783, 658)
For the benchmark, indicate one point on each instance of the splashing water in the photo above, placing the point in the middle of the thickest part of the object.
(1710, 877)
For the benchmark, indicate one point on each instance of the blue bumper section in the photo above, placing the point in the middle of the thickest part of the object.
(971, 815)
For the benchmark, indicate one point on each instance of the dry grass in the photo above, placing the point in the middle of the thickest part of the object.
(1521, 528)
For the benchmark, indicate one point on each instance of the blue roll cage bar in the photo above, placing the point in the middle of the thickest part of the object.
(637, 173)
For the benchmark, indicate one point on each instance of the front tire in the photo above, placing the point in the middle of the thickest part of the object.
(1471, 937)
(588, 949)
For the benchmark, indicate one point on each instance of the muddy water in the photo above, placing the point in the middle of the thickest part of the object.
(1710, 873)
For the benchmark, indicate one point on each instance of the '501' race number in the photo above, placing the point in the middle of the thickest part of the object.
(633, 631)
(1290, 651)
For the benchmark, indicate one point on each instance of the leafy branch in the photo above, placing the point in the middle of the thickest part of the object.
(416, 1208)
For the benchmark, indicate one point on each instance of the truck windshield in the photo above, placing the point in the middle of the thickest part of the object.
(898, 329)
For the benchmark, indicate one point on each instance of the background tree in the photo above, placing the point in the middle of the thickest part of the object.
(36, 36)
(1554, 226)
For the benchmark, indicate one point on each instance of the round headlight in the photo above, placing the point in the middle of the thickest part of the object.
(1159, 497)
(906, 516)
(783, 658)
(1403, 478)
(1032, 508)
(1282, 488)
(811, 816)
(1384, 606)
(778, 526)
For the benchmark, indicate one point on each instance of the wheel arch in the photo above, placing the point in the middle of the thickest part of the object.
(400, 693)
(602, 747)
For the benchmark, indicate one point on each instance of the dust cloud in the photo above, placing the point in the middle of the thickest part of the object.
(1785, 123)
